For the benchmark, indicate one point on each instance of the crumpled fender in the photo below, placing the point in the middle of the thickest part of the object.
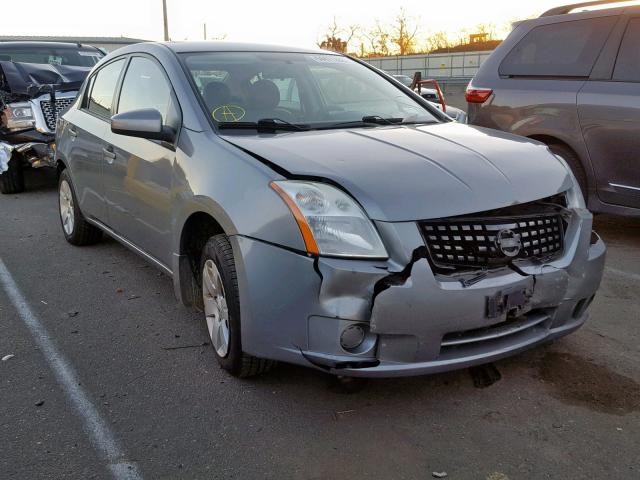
(5, 156)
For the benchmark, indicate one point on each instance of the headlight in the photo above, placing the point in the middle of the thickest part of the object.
(575, 198)
(330, 221)
(19, 116)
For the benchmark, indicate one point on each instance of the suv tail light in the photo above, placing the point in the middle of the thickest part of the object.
(477, 95)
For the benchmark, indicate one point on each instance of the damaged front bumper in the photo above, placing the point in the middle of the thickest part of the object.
(410, 321)
(36, 154)
(35, 146)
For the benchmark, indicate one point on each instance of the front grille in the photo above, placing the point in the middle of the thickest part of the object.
(492, 241)
(51, 117)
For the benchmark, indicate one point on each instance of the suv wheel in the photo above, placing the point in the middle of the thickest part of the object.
(221, 301)
(12, 181)
(77, 231)
(576, 166)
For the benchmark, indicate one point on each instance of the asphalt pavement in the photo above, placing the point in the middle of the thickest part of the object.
(112, 378)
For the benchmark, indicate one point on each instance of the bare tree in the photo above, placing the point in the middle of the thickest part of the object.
(351, 33)
(404, 32)
(438, 41)
(378, 39)
(462, 36)
(488, 29)
(337, 38)
(333, 30)
(401, 37)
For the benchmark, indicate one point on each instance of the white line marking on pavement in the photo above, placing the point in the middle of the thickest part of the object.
(622, 273)
(103, 440)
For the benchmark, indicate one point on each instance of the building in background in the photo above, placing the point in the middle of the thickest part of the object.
(108, 44)
(478, 42)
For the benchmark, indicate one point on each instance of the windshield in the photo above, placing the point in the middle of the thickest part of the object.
(80, 57)
(314, 90)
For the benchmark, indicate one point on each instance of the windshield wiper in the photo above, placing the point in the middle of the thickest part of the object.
(265, 125)
(370, 121)
(377, 119)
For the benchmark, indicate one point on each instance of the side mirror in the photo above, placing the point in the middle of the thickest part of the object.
(143, 123)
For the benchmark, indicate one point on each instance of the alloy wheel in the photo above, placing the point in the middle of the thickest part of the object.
(67, 213)
(215, 308)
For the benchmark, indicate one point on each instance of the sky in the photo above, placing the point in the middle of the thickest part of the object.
(288, 22)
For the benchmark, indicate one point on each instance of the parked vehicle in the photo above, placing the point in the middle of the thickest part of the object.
(431, 95)
(38, 80)
(406, 80)
(321, 214)
(572, 81)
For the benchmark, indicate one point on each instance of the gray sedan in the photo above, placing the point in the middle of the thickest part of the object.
(319, 213)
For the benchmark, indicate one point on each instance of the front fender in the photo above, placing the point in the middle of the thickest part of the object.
(233, 188)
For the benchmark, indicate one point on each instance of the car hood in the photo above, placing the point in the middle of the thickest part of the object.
(30, 78)
(406, 173)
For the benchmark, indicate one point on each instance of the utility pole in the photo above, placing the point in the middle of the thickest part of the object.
(205, 30)
(166, 22)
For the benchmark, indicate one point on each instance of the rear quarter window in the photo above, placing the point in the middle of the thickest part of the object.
(564, 49)
(628, 63)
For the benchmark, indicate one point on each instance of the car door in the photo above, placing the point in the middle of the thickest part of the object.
(86, 129)
(138, 178)
(609, 112)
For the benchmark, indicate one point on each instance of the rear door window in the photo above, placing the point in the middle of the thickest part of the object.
(565, 49)
(104, 87)
(627, 67)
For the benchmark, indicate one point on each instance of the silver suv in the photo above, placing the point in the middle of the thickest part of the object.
(572, 81)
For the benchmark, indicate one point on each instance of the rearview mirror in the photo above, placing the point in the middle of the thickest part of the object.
(143, 123)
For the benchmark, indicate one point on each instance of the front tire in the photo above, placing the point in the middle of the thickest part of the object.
(221, 305)
(77, 231)
(12, 181)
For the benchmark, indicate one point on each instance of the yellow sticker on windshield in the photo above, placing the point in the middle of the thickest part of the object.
(228, 113)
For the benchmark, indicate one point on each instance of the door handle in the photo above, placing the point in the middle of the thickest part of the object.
(109, 154)
(72, 132)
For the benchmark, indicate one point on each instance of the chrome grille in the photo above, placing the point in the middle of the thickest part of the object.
(51, 117)
(462, 243)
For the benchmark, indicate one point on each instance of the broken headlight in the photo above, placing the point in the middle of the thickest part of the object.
(19, 116)
(331, 222)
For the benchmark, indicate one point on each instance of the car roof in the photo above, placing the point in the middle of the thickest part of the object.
(549, 17)
(47, 45)
(221, 46)
(618, 6)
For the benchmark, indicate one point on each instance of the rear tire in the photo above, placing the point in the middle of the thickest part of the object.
(77, 231)
(12, 181)
(576, 166)
(221, 298)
